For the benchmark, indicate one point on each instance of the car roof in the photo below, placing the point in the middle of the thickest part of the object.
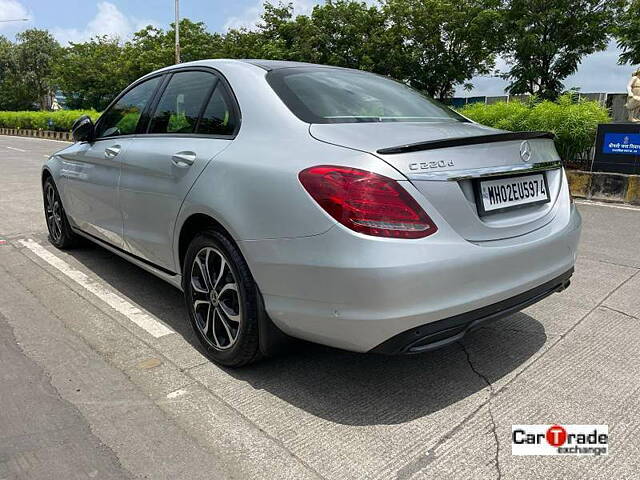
(267, 65)
(270, 65)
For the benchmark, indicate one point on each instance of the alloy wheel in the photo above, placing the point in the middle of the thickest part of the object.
(54, 213)
(216, 300)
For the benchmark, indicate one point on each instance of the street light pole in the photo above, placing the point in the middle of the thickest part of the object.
(15, 20)
(177, 31)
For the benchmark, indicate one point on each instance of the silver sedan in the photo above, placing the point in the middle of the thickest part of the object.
(332, 205)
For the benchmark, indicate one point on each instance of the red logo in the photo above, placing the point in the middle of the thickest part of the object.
(556, 436)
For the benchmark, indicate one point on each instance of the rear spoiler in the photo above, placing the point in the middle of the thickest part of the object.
(463, 141)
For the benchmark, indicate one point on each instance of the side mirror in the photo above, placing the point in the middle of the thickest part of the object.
(83, 129)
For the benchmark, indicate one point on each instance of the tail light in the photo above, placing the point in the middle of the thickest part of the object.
(367, 202)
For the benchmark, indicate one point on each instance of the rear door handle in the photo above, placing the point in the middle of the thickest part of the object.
(183, 159)
(112, 152)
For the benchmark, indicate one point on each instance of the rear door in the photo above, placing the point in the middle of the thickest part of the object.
(193, 120)
(92, 170)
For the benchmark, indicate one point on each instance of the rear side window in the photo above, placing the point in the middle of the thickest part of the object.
(181, 103)
(220, 117)
(123, 117)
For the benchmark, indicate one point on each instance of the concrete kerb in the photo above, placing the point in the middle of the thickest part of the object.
(607, 187)
(47, 134)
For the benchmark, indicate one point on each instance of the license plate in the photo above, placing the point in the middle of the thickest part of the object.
(500, 194)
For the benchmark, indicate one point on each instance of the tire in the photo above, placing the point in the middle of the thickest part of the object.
(226, 321)
(60, 233)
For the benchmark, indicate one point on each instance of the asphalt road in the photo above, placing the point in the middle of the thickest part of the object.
(87, 392)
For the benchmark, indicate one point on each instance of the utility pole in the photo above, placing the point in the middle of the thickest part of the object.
(178, 31)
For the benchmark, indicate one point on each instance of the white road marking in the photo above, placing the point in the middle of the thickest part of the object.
(609, 205)
(46, 156)
(16, 149)
(150, 324)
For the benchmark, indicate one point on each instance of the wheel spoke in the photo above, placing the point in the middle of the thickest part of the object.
(213, 328)
(221, 273)
(206, 269)
(207, 322)
(225, 324)
(56, 215)
(230, 314)
(209, 327)
(229, 287)
(203, 273)
(198, 303)
(198, 306)
(50, 196)
(195, 282)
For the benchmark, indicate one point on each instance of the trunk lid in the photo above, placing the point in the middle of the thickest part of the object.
(445, 160)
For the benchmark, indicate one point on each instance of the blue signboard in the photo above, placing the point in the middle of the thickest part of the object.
(621, 143)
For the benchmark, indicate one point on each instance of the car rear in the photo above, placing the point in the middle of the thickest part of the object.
(478, 224)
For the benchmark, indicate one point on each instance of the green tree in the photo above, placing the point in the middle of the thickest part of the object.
(5, 56)
(281, 35)
(547, 40)
(277, 36)
(435, 45)
(152, 48)
(32, 64)
(347, 34)
(627, 31)
(6, 86)
(340, 32)
(91, 74)
(197, 43)
(148, 50)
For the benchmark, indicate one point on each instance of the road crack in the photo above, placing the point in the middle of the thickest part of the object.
(492, 393)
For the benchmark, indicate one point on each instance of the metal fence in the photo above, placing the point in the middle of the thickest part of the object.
(582, 161)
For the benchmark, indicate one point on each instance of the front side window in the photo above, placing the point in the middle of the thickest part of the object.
(123, 117)
(332, 95)
(181, 103)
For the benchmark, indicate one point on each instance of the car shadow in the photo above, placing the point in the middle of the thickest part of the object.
(344, 387)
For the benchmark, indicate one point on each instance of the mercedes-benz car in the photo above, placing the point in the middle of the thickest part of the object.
(331, 205)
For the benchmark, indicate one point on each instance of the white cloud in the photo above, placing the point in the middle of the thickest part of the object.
(250, 17)
(108, 21)
(12, 10)
(598, 72)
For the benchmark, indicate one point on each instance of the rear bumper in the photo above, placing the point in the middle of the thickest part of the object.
(356, 292)
(444, 332)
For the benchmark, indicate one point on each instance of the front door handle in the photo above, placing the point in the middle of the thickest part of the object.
(183, 159)
(112, 152)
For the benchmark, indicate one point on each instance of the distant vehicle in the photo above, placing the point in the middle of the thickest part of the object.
(327, 204)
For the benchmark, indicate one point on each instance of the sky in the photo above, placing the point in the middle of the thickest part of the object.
(78, 20)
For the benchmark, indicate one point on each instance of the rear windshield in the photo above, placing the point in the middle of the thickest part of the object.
(332, 95)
